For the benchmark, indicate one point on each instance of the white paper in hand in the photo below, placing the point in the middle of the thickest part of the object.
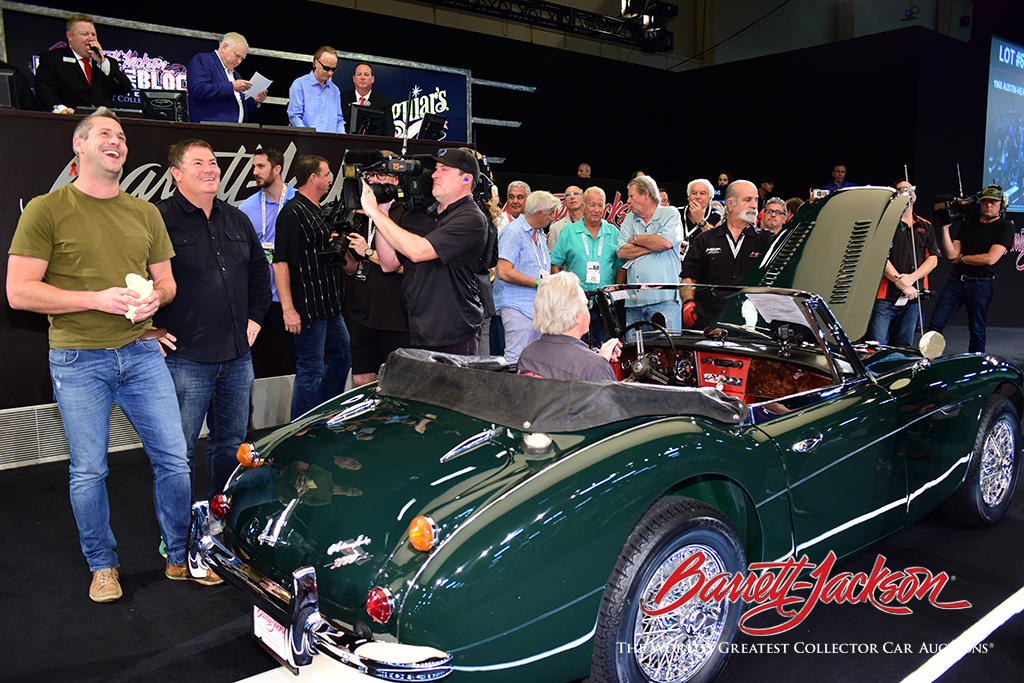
(141, 286)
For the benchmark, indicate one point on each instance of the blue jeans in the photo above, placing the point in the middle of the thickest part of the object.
(519, 333)
(977, 296)
(670, 309)
(220, 393)
(316, 381)
(86, 383)
(893, 325)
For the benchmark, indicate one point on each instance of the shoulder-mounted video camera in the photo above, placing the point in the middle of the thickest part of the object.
(414, 182)
(947, 208)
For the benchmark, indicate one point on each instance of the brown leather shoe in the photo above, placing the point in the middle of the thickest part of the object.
(105, 586)
(180, 572)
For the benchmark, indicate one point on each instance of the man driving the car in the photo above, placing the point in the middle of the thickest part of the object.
(561, 316)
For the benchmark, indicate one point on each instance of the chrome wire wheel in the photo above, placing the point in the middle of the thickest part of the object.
(986, 492)
(673, 646)
(687, 643)
(997, 462)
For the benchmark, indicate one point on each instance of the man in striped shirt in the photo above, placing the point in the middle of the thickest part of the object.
(310, 286)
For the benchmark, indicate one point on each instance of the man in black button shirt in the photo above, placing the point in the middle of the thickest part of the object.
(441, 249)
(724, 254)
(979, 244)
(223, 289)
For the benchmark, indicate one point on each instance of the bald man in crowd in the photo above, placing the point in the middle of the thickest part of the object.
(724, 254)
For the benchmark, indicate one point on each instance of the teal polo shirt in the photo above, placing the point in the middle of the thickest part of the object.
(571, 252)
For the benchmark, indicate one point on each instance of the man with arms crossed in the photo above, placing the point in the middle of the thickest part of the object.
(71, 252)
(649, 240)
(914, 254)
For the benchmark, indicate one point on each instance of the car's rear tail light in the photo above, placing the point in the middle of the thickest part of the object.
(220, 506)
(422, 533)
(379, 604)
(249, 456)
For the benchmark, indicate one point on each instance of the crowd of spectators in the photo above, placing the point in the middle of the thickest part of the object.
(460, 275)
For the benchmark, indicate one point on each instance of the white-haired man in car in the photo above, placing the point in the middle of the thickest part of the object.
(562, 318)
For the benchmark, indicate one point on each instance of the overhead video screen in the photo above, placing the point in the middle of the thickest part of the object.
(1004, 131)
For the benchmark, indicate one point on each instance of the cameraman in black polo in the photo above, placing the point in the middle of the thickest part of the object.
(980, 242)
(441, 248)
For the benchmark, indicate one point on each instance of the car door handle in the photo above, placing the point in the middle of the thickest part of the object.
(807, 444)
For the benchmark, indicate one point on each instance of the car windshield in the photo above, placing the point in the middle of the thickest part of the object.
(726, 349)
(748, 315)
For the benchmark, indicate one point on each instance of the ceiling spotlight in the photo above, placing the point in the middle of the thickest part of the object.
(661, 12)
(632, 8)
(657, 40)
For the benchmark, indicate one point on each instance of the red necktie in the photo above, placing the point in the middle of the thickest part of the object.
(362, 101)
(88, 70)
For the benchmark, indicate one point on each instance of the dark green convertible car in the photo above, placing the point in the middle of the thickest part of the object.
(459, 519)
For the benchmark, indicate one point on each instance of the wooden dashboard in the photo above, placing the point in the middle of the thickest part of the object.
(751, 378)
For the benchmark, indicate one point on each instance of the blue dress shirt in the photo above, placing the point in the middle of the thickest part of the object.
(314, 105)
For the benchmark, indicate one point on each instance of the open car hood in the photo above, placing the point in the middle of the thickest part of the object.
(836, 247)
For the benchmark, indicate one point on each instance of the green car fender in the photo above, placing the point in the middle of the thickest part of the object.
(940, 406)
(520, 584)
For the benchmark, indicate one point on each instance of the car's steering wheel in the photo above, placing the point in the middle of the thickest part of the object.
(646, 366)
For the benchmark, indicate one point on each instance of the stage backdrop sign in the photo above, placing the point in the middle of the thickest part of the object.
(415, 92)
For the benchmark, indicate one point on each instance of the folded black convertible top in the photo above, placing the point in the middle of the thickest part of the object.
(476, 386)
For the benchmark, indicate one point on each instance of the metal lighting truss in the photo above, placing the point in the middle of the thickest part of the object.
(629, 33)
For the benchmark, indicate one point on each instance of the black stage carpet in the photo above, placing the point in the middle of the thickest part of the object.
(176, 631)
(160, 630)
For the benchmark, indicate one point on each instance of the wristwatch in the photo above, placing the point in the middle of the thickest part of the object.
(368, 253)
(960, 259)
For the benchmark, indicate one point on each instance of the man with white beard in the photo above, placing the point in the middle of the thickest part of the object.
(724, 254)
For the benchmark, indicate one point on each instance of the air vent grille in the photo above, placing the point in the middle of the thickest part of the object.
(786, 253)
(848, 266)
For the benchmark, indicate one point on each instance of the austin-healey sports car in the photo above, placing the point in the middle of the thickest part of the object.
(458, 519)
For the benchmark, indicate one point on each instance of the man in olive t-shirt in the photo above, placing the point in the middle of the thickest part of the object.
(69, 257)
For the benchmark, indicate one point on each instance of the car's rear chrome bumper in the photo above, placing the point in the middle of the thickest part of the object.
(307, 633)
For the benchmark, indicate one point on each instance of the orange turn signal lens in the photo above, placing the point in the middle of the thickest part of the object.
(248, 456)
(422, 533)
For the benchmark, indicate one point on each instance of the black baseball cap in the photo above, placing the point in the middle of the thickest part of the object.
(462, 159)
